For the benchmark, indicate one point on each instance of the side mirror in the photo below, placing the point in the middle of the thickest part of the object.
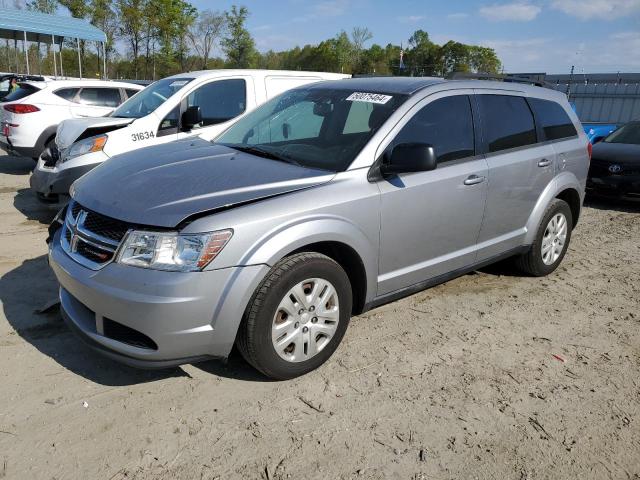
(191, 117)
(409, 157)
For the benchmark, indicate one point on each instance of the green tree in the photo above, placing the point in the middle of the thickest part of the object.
(44, 6)
(454, 57)
(77, 8)
(103, 16)
(422, 54)
(375, 61)
(238, 44)
(483, 59)
(342, 47)
(132, 26)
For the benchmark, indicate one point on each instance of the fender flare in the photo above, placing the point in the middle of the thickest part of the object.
(44, 136)
(563, 181)
(277, 244)
(295, 235)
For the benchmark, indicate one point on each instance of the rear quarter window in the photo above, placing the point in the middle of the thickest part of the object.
(100, 97)
(130, 92)
(507, 122)
(67, 93)
(552, 119)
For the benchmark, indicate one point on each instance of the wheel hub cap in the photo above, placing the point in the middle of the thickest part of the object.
(306, 320)
(554, 238)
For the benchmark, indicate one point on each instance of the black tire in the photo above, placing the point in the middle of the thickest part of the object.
(48, 144)
(531, 262)
(254, 336)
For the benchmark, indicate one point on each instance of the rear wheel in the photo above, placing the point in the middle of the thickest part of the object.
(297, 316)
(551, 242)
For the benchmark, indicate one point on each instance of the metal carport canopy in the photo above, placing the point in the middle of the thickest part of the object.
(40, 27)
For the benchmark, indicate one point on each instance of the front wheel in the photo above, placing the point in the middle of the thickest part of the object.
(297, 316)
(551, 241)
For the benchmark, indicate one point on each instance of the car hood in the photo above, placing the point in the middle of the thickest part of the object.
(163, 185)
(622, 153)
(69, 130)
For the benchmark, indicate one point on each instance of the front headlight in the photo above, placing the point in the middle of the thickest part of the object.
(88, 145)
(172, 251)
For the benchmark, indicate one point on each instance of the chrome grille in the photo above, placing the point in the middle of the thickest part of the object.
(105, 226)
(75, 209)
(90, 238)
(600, 168)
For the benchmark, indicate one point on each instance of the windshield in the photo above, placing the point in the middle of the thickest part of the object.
(147, 100)
(23, 90)
(314, 127)
(629, 133)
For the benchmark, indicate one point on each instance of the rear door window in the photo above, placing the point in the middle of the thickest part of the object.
(100, 97)
(220, 100)
(23, 91)
(552, 119)
(446, 124)
(67, 93)
(507, 122)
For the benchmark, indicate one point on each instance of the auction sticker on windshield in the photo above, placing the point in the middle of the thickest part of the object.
(369, 97)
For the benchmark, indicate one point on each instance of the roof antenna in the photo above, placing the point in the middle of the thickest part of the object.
(569, 83)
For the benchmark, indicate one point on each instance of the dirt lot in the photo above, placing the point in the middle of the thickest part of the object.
(491, 375)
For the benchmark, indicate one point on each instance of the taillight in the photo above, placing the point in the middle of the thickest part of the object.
(589, 149)
(21, 108)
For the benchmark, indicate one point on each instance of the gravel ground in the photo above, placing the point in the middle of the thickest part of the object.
(491, 375)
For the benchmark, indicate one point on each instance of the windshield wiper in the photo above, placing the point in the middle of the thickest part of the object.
(259, 152)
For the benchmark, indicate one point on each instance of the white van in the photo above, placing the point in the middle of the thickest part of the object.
(191, 104)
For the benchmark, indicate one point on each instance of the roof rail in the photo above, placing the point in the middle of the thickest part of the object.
(498, 77)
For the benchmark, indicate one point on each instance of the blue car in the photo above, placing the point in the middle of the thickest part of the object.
(598, 131)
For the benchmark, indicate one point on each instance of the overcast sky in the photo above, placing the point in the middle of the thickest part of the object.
(541, 36)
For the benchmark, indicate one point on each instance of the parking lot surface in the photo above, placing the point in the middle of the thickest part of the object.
(491, 375)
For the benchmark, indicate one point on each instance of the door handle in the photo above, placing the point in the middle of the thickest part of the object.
(474, 180)
(544, 163)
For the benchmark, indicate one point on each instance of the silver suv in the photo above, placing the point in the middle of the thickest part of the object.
(326, 201)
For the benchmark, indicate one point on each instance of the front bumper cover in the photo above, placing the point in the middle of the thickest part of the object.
(190, 316)
(51, 182)
(31, 152)
(615, 185)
